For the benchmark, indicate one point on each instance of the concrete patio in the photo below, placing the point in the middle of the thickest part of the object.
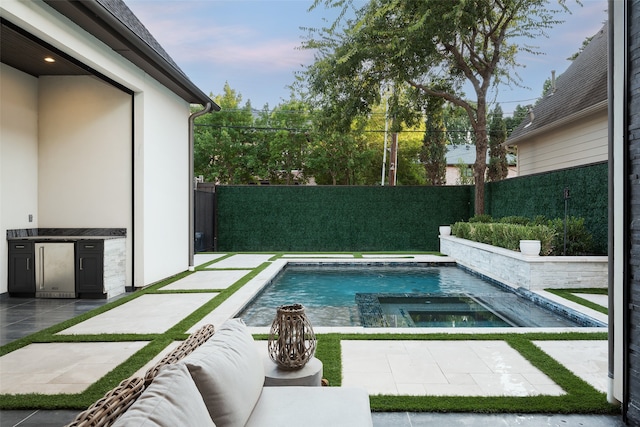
(423, 368)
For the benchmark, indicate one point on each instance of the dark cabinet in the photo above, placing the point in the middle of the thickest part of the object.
(22, 277)
(89, 268)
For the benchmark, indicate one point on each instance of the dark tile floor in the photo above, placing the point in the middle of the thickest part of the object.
(20, 317)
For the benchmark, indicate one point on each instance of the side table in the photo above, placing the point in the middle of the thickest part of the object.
(309, 375)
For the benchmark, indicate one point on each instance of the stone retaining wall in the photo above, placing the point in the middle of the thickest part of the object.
(528, 272)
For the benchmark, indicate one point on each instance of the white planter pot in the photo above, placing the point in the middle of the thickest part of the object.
(445, 230)
(530, 247)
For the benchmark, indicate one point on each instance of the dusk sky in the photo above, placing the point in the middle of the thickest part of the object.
(253, 44)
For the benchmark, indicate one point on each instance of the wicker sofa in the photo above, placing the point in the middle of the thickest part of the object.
(218, 380)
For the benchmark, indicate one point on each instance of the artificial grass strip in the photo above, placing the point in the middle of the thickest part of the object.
(567, 404)
(532, 336)
(208, 264)
(580, 397)
(213, 303)
(328, 351)
(569, 294)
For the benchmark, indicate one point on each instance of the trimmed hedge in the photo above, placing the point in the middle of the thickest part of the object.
(336, 218)
(542, 194)
(504, 235)
(353, 218)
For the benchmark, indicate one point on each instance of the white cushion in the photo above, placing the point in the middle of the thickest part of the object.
(229, 373)
(312, 407)
(171, 400)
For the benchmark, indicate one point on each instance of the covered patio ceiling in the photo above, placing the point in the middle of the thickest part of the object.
(25, 52)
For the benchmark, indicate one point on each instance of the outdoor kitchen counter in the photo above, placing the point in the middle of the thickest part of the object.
(98, 257)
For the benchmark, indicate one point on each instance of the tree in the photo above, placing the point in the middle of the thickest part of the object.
(585, 42)
(285, 141)
(519, 114)
(434, 46)
(457, 125)
(434, 147)
(337, 158)
(498, 168)
(223, 146)
(372, 128)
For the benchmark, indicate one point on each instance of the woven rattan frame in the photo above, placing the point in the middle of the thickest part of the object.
(194, 341)
(105, 411)
(292, 342)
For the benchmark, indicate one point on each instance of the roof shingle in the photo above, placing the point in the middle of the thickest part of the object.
(582, 85)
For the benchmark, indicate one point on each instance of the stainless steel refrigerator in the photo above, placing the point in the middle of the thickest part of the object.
(55, 272)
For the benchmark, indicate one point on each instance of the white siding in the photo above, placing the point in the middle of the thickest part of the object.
(581, 143)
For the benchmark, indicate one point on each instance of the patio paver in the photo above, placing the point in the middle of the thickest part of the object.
(161, 312)
(242, 261)
(586, 359)
(451, 368)
(54, 368)
(204, 280)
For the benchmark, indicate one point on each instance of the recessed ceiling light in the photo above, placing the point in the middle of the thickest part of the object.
(49, 59)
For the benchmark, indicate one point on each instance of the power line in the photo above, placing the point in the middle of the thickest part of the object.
(306, 130)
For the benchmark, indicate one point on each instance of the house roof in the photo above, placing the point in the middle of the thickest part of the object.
(580, 90)
(113, 23)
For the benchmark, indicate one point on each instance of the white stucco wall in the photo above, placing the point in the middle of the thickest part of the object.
(164, 172)
(85, 129)
(158, 207)
(18, 157)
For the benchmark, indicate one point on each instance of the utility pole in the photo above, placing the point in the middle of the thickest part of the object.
(393, 156)
(386, 131)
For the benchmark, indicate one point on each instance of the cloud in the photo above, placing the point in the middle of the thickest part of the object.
(185, 31)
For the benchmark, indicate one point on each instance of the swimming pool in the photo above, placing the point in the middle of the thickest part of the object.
(404, 295)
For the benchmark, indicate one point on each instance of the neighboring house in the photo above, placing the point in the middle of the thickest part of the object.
(568, 126)
(460, 158)
(100, 138)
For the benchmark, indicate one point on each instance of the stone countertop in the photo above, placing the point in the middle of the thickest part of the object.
(66, 234)
(63, 238)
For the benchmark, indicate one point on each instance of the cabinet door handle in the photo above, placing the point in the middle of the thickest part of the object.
(81, 263)
(41, 267)
(28, 264)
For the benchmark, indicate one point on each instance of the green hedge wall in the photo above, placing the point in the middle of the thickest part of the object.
(543, 194)
(336, 218)
(348, 218)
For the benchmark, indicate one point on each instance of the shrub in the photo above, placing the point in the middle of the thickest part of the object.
(506, 236)
(579, 240)
(522, 220)
(484, 218)
(545, 234)
(461, 230)
(540, 220)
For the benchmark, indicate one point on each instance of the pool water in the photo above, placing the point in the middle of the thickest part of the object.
(396, 296)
